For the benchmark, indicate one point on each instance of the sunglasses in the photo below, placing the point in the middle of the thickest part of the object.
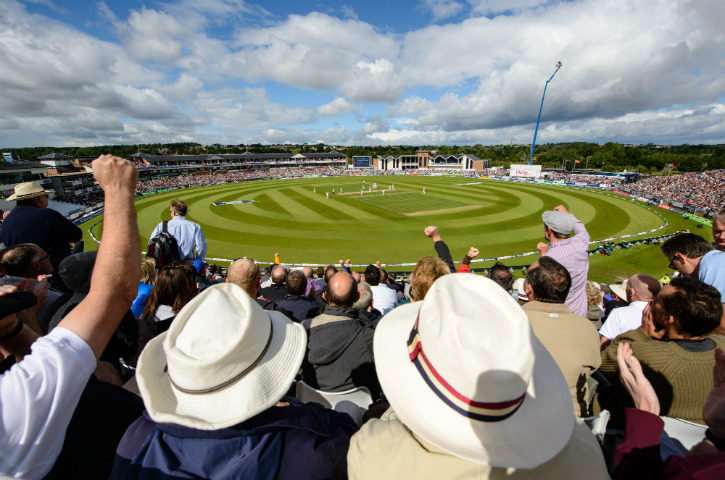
(672, 263)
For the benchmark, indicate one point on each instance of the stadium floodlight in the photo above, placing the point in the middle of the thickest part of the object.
(533, 144)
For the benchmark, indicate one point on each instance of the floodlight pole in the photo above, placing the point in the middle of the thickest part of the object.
(533, 144)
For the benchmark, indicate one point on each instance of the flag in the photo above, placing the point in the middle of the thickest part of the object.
(577, 161)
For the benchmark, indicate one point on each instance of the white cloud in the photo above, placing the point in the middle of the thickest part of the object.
(372, 82)
(225, 71)
(154, 35)
(336, 107)
(492, 7)
(441, 9)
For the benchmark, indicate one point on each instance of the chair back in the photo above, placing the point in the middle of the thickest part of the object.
(354, 402)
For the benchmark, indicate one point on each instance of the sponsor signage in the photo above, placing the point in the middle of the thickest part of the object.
(525, 171)
(666, 207)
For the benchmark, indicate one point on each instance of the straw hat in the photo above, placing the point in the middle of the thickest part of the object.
(27, 190)
(222, 361)
(464, 371)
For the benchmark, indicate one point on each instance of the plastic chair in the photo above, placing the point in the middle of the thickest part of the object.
(598, 424)
(354, 402)
(684, 433)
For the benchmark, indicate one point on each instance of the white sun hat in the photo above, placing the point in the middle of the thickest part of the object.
(223, 360)
(620, 289)
(464, 371)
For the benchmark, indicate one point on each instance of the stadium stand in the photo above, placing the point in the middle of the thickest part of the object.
(249, 417)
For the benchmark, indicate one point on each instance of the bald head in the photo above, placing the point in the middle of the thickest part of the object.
(245, 273)
(309, 273)
(642, 288)
(342, 291)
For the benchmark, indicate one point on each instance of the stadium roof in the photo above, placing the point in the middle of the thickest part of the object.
(246, 156)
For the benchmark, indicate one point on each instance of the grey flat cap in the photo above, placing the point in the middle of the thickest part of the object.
(559, 222)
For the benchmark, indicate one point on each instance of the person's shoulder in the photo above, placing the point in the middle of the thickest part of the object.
(377, 438)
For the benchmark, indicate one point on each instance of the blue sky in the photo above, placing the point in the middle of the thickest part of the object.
(415, 72)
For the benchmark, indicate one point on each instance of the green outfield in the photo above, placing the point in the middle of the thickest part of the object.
(296, 218)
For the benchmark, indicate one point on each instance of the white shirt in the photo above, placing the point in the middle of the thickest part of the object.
(384, 298)
(37, 399)
(623, 319)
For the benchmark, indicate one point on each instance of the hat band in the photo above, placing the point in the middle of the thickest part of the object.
(227, 383)
(481, 411)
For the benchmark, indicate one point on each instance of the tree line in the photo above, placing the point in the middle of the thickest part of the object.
(611, 157)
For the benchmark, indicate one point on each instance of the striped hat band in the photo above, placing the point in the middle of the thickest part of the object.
(480, 411)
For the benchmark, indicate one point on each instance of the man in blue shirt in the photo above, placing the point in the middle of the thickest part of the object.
(188, 234)
(695, 257)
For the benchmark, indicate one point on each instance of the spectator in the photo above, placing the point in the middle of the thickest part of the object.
(500, 274)
(385, 298)
(329, 272)
(312, 286)
(174, 288)
(300, 306)
(594, 304)
(27, 260)
(47, 384)
(188, 235)
(640, 290)
(148, 278)
(570, 338)
(76, 272)
(639, 455)
(31, 221)
(320, 272)
(392, 283)
(426, 271)
(364, 304)
(569, 251)
(340, 345)
(675, 347)
(205, 419)
(277, 290)
(472, 395)
(694, 256)
(445, 254)
(718, 230)
(245, 273)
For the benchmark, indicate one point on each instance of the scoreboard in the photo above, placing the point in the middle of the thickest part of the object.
(362, 162)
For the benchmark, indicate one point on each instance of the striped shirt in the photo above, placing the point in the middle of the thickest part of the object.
(573, 254)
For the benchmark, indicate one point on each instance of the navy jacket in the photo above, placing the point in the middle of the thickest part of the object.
(44, 227)
(296, 442)
(300, 307)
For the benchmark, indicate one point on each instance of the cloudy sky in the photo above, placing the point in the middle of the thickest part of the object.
(411, 72)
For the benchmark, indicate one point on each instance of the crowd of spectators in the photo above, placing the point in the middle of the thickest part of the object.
(585, 178)
(702, 190)
(93, 195)
(264, 371)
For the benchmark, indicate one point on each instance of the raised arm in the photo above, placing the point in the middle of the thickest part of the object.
(466, 262)
(440, 247)
(117, 271)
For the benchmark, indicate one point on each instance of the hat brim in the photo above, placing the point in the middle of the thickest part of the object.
(254, 393)
(534, 434)
(619, 290)
(16, 197)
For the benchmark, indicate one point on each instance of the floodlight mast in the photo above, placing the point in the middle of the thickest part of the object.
(533, 144)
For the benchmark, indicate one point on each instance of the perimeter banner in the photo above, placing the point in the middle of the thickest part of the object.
(526, 171)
